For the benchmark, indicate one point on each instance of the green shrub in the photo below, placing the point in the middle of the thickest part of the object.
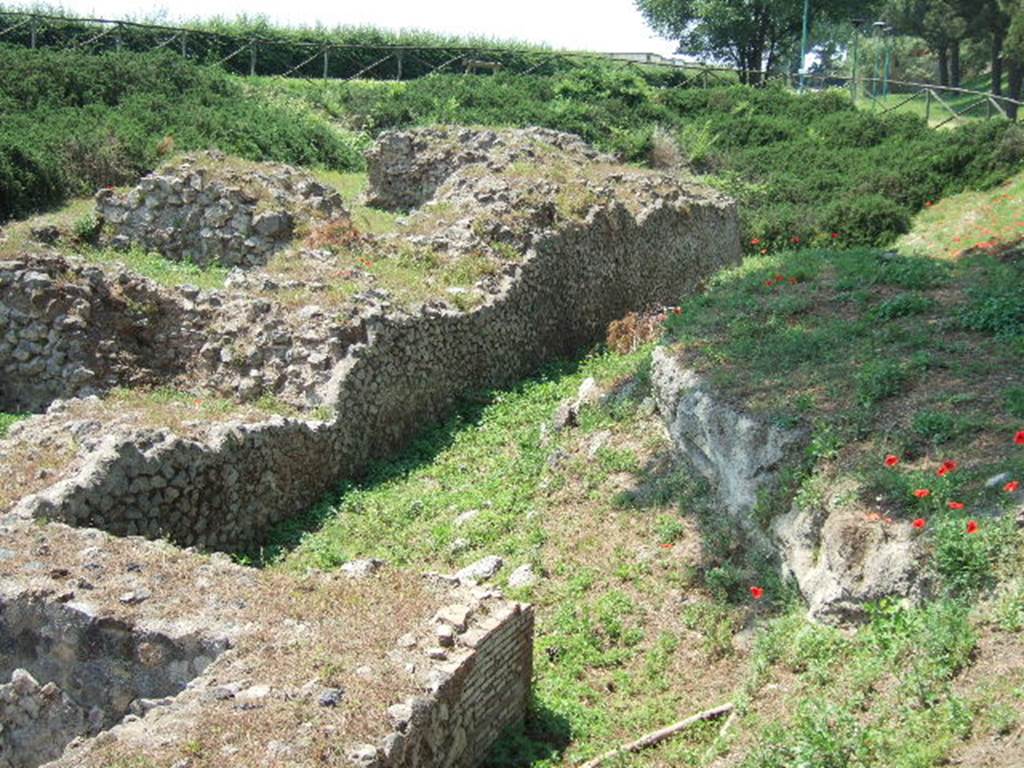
(79, 121)
(1014, 398)
(879, 379)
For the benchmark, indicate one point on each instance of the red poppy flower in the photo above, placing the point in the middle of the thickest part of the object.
(677, 311)
(757, 592)
(835, 235)
(919, 523)
(955, 505)
(756, 241)
(769, 283)
(892, 460)
(1019, 438)
(946, 468)
(922, 493)
(1012, 487)
(666, 545)
(972, 526)
(794, 240)
(779, 278)
(928, 204)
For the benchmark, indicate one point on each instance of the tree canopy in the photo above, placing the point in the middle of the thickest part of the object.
(753, 35)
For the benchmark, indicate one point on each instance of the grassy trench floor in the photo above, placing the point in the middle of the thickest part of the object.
(644, 611)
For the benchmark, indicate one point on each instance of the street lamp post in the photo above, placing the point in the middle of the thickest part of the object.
(857, 24)
(803, 41)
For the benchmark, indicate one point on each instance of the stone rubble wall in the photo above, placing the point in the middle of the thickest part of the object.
(36, 721)
(230, 217)
(68, 330)
(94, 670)
(408, 167)
(225, 493)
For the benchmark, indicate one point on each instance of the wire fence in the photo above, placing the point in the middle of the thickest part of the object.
(343, 56)
(350, 55)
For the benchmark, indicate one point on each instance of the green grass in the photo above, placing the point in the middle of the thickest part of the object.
(159, 269)
(961, 222)
(350, 185)
(7, 420)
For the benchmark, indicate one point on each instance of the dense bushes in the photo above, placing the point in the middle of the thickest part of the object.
(809, 168)
(72, 122)
(806, 168)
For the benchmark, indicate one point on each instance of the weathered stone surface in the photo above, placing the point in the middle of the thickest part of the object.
(842, 562)
(72, 330)
(523, 576)
(407, 167)
(839, 560)
(481, 570)
(211, 210)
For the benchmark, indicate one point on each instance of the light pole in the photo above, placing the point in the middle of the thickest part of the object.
(880, 56)
(857, 24)
(803, 41)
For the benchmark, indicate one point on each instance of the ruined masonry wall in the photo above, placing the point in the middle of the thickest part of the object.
(478, 693)
(225, 493)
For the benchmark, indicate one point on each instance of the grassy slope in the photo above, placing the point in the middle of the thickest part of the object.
(644, 615)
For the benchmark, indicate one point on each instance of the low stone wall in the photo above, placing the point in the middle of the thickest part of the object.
(225, 493)
(37, 721)
(479, 687)
(408, 167)
(68, 330)
(202, 210)
(93, 671)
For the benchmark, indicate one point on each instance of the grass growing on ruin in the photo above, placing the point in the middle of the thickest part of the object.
(7, 420)
(592, 508)
(351, 185)
(159, 269)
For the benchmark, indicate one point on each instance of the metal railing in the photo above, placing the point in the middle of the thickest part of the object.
(329, 56)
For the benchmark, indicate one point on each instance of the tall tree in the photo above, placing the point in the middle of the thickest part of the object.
(1014, 51)
(940, 24)
(751, 34)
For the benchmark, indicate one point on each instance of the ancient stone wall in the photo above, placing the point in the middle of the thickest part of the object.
(226, 492)
(74, 673)
(68, 330)
(408, 167)
(479, 687)
(203, 211)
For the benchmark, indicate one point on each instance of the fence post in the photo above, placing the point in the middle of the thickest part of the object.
(325, 62)
(252, 58)
(117, 38)
(398, 58)
(927, 106)
(184, 45)
(32, 28)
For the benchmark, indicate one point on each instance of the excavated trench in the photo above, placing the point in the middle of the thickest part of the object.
(74, 674)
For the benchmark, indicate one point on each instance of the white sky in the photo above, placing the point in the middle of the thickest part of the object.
(596, 25)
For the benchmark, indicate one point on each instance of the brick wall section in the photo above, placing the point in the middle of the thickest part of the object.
(481, 689)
